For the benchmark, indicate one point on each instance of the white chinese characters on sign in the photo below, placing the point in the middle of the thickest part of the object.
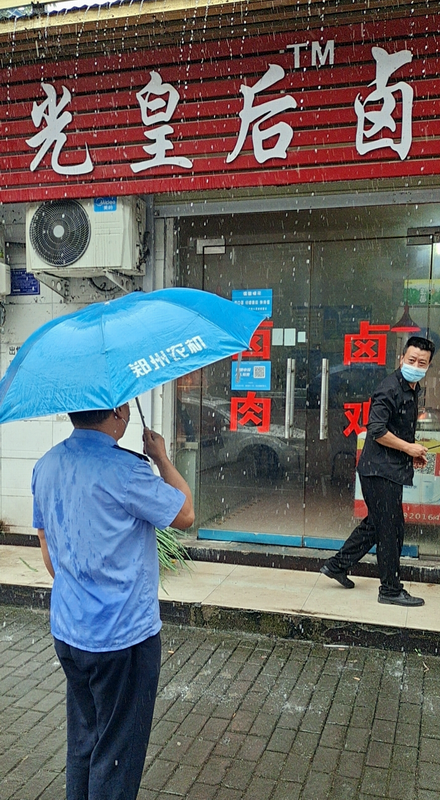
(174, 353)
(155, 110)
(382, 118)
(261, 114)
(56, 119)
(384, 115)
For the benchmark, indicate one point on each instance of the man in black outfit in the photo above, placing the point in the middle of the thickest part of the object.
(386, 464)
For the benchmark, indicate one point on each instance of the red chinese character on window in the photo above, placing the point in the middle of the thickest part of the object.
(353, 412)
(367, 346)
(251, 409)
(259, 346)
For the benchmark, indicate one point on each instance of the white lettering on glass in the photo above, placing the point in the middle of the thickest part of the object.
(56, 119)
(260, 114)
(158, 102)
(381, 119)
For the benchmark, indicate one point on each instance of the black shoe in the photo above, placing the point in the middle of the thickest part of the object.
(340, 577)
(402, 599)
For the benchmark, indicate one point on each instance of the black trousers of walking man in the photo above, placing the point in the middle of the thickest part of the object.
(384, 527)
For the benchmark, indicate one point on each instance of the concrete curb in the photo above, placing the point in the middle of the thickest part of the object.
(29, 596)
(295, 626)
(331, 632)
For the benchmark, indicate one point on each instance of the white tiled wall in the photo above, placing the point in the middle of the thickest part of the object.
(22, 443)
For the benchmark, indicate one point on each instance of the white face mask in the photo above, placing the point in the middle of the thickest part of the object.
(412, 374)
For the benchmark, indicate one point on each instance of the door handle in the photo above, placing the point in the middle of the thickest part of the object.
(323, 409)
(290, 398)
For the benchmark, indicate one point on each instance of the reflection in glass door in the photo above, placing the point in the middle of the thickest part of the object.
(360, 290)
(337, 299)
(251, 442)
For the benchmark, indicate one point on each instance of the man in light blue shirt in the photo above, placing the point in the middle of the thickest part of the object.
(96, 507)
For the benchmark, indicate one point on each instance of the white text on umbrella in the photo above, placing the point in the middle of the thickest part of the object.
(176, 352)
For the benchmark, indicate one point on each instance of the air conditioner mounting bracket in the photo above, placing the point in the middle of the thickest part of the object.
(122, 281)
(59, 285)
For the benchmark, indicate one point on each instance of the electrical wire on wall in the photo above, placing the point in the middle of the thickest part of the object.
(104, 287)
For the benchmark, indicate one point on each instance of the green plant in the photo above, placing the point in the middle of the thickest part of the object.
(172, 553)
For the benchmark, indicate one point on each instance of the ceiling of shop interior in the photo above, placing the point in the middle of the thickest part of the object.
(106, 30)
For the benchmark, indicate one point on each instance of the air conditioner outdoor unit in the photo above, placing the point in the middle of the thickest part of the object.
(82, 238)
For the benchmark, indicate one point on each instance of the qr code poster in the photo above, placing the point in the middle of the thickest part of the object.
(251, 376)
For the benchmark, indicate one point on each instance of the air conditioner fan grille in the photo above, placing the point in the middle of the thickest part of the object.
(60, 232)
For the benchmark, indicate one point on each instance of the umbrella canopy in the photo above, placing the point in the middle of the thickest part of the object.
(108, 353)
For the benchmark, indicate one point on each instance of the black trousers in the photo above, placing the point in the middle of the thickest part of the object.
(110, 704)
(384, 527)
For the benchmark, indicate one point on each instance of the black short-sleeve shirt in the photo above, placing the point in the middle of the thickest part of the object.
(393, 408)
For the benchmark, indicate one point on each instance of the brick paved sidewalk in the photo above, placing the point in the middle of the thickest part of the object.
(238, 717)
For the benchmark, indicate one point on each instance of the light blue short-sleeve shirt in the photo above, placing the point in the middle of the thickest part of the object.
(99, 506)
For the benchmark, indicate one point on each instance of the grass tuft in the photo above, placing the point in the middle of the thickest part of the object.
(172, 553)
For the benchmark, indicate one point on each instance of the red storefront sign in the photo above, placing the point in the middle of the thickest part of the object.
(260, 343)
(252, 410)
(357, 415)
(355, 102)
(366, 347)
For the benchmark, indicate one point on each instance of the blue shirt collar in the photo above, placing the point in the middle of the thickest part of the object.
(97, 436)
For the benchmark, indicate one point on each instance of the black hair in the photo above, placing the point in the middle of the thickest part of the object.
(88, 419)
(422, 344)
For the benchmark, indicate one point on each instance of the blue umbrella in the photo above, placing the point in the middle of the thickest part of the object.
(108, 353)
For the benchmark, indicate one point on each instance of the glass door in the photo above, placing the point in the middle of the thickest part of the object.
(249, 417)
(270, 445)
(363, 308)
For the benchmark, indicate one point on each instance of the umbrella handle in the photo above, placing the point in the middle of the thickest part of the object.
(140, 412)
